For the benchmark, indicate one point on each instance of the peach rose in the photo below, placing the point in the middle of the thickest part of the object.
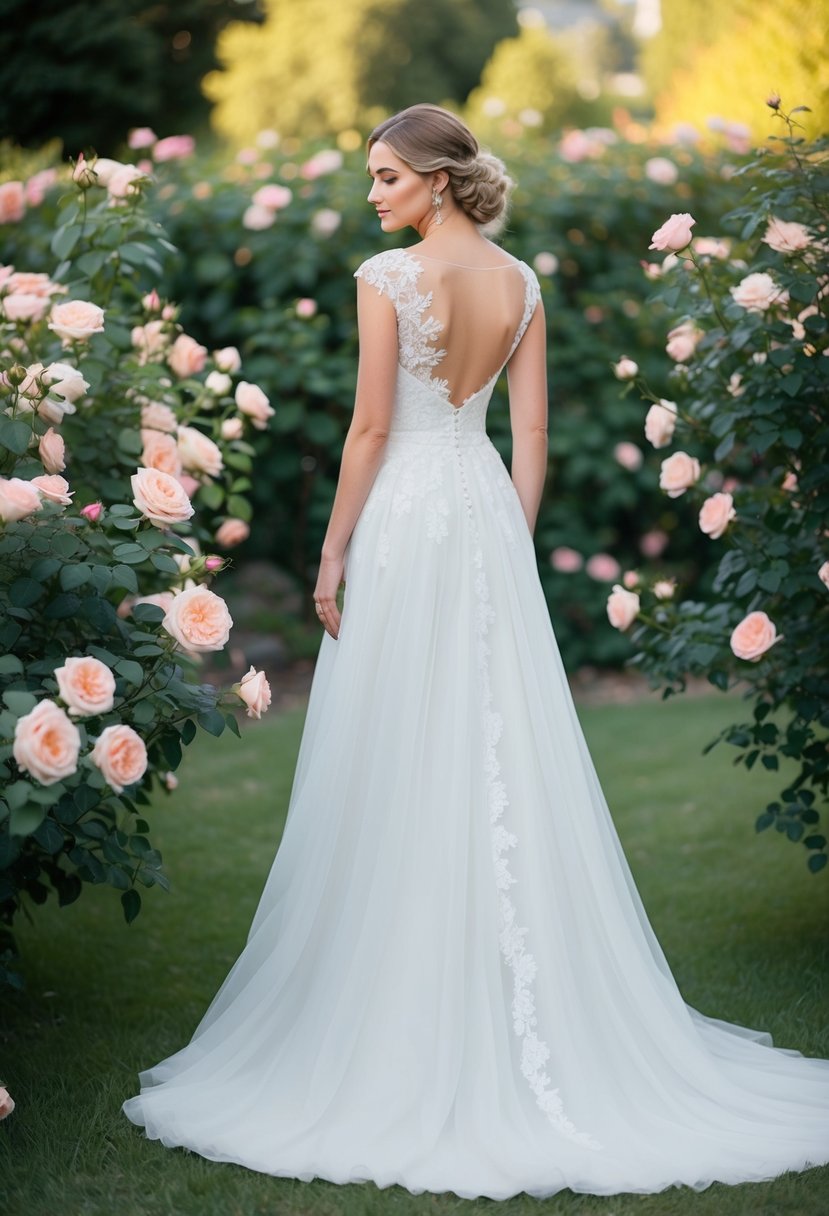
(159, 417)
(18, 498)
(255, 691)
(660, 170)
(161, 599)
(86, 685)
(628, 455)
(625, 369)
(227, 359)
(823, 574)
(160, 497)
(54, 488)
(622, 607)
(252, 401)
(199, 620)
(22, 307)
(12, 202)
(678, 473)
(682, 341)
(758, 293)
(76, 320)
(65, 381)
(171, 781)
(664, 588)
(6, 1102)
(787, 236)
(160, 452)
(754, 635)
(32, 283)
(55, 409)
(186, 356)
(545, 262)
(198, 452)
(716, 514)
(326, 221)
(123, 182)
(257, 219)
(121, 755)
(231, 532)
(150, 340)
(52, 451)
(232, 428)
(660, 423)
(46, 743)
(675, 233)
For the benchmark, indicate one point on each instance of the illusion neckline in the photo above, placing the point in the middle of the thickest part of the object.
(413, 250)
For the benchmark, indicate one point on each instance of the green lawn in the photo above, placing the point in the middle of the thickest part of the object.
(741, 920)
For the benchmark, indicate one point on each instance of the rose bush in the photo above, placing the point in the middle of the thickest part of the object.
(105, 608)
(751, 407)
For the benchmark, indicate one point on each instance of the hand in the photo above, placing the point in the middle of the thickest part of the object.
(329, 580)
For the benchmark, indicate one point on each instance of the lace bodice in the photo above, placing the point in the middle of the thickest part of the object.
(423, 401)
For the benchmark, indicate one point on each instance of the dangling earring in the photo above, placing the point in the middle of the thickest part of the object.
(437, 203)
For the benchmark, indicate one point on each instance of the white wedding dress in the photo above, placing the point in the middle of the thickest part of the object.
(450, 982)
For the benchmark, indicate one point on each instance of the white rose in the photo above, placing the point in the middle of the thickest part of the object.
(199, 453)
(219, 383)
(65, 381)
(758, 293)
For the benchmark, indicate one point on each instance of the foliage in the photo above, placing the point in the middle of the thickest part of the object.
(96, 579)
(711, 61)
(132, 63)
(529, 75)
(377, 56)
(752, 411)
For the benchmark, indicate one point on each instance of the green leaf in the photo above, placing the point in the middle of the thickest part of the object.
(791, 383)
(14, 434)
(131, 671)
(816, 862)
(724, 446)
(763, 821)
(212, 495)
(49, 836)
(212, 721)
(19, 702)
(10, 664)
(65, 240)
(239, 508)
(74, 575)
(131, 903)
(23, 820)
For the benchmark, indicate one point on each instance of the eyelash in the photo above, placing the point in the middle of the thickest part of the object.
(388, 181)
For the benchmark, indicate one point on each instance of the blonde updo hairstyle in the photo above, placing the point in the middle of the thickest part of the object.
(429, 138)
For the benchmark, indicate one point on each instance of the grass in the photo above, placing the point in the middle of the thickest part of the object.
(741, 921)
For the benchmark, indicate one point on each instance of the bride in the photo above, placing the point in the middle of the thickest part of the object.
(450, 981)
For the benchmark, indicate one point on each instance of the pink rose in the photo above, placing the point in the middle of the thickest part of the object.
(198, 452)
(306, 307)
(325, 222)
(664, 588)
(187, 357)
(190, 485)
(22, 307)
(174, 147)
(12, 202)
(124, 182)
(257, 219)
(754, 635)
(54, 409)
(46, 743)
(823, 574)
(566, 560)
(6, 1102)
(628, 455)
(86, 685)
(329, 160)
(253, 402)
(160, 497)
(121, 755)
(218, 383)
(716, 514)
(625, 369)
(150, 340)
(231, 532)
(52, 451)
(141, 137)
(787, 236)
(227, 359)
(653, 543)
(31, 283)
(92, 511)
(682, 341)
(18, 498)
(255, 691)
(603, 567)
(232, 428)
(679, 472)
(758, 293)
(630, 578)
(160, 452)
(622, 607)
(660, 170)
(54, 488)
(712, 246)
(660, 423)
(272, 196)
(199, 620)
(675, 233)
(545, 262)
(76, 320)
(158, 417)
(213, 563)
(37, 185)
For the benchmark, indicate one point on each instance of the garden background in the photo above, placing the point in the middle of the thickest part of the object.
(246, 214)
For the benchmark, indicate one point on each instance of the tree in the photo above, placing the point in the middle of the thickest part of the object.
(529, 72)
(87, 75)
(376, 56)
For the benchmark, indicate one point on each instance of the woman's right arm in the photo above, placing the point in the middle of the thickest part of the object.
(527, 379)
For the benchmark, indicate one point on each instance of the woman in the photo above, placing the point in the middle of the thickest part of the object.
(450, 982)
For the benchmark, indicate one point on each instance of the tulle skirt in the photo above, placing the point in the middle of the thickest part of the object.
(450, 982)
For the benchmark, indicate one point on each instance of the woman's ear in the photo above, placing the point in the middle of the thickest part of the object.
(440, 180)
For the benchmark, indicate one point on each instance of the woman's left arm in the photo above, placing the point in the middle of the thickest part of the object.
(364, 442)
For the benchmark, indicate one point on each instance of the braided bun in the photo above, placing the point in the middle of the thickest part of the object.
(429, 138)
